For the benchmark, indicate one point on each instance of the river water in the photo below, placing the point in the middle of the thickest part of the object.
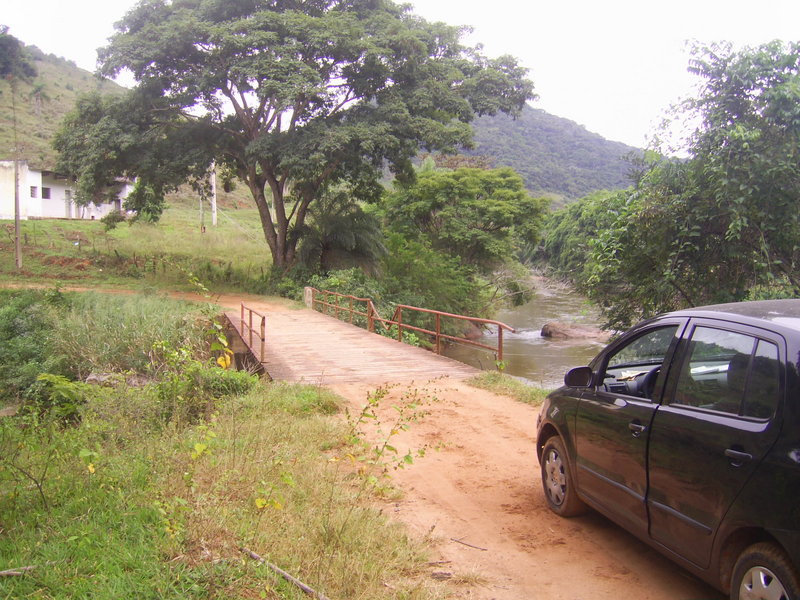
(527, 354)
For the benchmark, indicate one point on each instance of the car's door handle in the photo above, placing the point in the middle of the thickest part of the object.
(637, 428)
(737, 458)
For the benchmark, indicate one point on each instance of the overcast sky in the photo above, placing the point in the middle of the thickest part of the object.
(613, 66)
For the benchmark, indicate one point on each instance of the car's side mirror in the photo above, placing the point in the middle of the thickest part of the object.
(578, 377)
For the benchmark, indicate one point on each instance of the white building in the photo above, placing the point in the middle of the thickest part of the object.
(47, 194)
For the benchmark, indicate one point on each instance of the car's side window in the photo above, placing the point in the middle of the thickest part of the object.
(633, 369)
(763, 390)
(729, 372)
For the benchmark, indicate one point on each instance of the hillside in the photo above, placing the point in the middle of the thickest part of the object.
(555, 156)
(42, 104)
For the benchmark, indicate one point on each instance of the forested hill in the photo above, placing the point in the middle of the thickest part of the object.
(555, 156)
(41, 104)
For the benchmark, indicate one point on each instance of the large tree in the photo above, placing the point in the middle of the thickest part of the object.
(295, 95)
(722, 225)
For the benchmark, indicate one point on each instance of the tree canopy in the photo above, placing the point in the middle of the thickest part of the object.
(479, 216)
(722, 225)
(292, 96)
(15, 62)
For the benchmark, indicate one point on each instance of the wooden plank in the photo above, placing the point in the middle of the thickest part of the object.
(305, 345)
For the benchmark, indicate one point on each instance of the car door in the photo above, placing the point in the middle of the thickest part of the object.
(716, 423)
(613, 419)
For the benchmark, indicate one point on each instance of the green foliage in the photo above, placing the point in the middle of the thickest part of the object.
(112, 219)
(15, 62)
(188, 388)
(25, 342)
(417, 275)
(104, 333)
(571, 232)
(109, 137)
(291, 98)
(409, 337)
(339, 233)
(302, 400)
(350, 282)
(81, 508)
(498, 383)
(722, 225)
(62, 397)
(476, 215)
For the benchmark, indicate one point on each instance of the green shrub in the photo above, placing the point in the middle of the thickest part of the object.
(112, 219)
(26, 321)
(58, 396)
(190, 389)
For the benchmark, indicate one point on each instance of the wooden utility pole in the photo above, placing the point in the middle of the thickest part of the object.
(214, 194)
(17, 242)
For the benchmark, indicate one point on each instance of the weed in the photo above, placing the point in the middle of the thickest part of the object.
(499, 383)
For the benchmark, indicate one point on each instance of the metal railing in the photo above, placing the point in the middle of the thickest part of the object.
(362, 311)
(261, 335)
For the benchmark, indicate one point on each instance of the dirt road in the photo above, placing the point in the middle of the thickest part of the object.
(479, 499)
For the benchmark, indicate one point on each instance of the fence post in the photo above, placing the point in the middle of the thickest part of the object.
(400, 324)
(250, 326)
(241, 315)
(438, 333)
(370, 317)
(263, 335)
(499, 343)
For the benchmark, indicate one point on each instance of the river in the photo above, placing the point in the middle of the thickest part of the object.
(527, 354)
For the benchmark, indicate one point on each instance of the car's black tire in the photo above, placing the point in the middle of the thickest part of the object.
(557, 481)
(763, 571)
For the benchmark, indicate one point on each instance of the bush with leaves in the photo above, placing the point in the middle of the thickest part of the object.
(722, 225)
(27, 319)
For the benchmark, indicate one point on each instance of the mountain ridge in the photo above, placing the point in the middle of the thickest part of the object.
(556, 157)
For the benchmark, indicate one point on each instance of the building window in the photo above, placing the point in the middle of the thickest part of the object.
(45, 193)
(34, 192)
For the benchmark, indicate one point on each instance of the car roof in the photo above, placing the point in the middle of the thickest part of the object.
(782, 313)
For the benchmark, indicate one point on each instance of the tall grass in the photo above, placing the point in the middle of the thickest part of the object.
(140, 495)
(105, 333)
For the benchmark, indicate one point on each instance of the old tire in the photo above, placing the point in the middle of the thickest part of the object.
(557, 481)
(762, 572)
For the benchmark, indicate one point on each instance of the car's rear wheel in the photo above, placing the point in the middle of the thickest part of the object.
(559, 487)
(763, 572)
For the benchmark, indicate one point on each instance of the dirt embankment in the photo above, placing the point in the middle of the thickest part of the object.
(479, 500)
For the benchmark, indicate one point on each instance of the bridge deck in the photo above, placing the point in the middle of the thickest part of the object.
(305, 345)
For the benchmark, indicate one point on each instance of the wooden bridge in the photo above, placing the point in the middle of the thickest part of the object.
(303, 345)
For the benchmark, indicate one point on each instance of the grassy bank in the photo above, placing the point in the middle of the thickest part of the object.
(150, 486)
(499, 383)
(230, 256)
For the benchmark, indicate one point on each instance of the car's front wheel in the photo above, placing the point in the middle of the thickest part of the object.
(763, 572)
(559, 487)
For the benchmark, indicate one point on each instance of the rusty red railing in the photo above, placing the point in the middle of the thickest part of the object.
(261, 334)
(362, 310)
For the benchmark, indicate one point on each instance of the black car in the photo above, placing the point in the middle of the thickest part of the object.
(686, 432)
